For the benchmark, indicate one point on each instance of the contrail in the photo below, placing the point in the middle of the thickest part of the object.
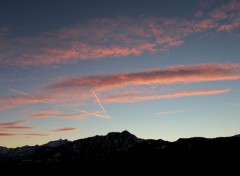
(79, 110)
(86, 112)
(100, 104)
(18, 91)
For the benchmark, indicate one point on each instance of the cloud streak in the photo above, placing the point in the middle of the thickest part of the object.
(16, 125)
(7, 134)
(76, 91)
(170, 75)
(49, 113)
(170, 112)
(132, 98)
(17, 100)
(36, 134)
(61, 130)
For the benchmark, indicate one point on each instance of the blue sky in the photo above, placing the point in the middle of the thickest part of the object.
(160, 69)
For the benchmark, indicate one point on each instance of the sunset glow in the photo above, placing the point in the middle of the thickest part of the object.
(74, 69)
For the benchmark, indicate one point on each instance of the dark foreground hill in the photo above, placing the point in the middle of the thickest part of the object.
(125, 154)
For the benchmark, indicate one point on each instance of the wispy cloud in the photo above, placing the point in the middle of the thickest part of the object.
(169, 75)
(50, 113)
(76, 91)
(7, 134)
(16, 125)
(36, 134)
(131, 98)
(115, 37)
(61, 130)
(12, 101)
(52, 132)
(170, 112)
(7, 128)
(18, 92)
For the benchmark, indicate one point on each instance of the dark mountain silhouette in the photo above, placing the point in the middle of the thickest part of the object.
(124, 153)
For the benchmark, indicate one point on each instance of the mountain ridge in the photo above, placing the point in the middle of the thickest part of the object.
(121, 149)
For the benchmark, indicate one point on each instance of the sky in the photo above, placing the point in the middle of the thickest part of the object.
(78, 68)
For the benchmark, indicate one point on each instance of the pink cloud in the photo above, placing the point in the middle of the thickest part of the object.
(128, 98)
(16, 125)
(230, 27)
(74, 92)
(168, 75)
(227, 16)
(169, 41)
(49, 113)
(63, 98)
(116, 37)
(18, 128)
(205, 24)
(12, 101)
(218, 14)
(36, 134)
(81, 51)
(63, 130)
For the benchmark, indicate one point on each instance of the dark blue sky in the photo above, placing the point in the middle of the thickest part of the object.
(34, 16)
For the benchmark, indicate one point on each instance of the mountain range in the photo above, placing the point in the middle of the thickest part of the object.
(124, 153)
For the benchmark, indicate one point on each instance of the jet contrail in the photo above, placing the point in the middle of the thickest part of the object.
(89, 113)
(100, 104)
(80, 110)
(18, 91)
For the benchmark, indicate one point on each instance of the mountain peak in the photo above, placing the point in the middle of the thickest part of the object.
(125, 132)
(56, 143)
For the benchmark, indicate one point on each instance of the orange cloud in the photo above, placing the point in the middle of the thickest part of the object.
(128, 98)
(36, 134)
(49, 113)
(169, 75)
(16, 125)
(61, 130)
(7, 134)
(18, 128)
(63, 92)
